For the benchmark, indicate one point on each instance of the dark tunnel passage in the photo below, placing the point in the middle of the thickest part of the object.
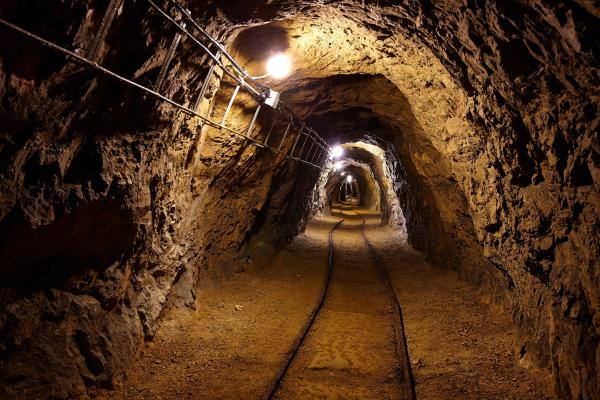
(372, 199)
(353, 180)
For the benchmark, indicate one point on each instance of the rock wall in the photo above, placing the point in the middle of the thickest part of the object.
(533, 187)
(113, 205)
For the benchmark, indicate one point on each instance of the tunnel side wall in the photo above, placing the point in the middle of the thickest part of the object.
(114, 206)
(532, 188)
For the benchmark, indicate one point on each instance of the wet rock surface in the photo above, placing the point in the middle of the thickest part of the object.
(112, 206)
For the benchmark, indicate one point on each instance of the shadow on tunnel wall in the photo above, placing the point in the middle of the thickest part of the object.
(66, 253)
(249, 10)
(258, 43)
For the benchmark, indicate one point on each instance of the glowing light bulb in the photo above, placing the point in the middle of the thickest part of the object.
(343, 173)
(337, 152)
(279, 66)
(349, 178)
(338, 165)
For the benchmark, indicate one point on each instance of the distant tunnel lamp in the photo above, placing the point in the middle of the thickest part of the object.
(337, 152)
(338, 165)
(349, 178)
(343, 173)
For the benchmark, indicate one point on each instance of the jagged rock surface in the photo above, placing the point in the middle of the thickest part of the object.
(111, 205)
(494, 111)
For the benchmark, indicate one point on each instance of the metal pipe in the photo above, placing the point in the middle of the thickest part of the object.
(205, 84)
(165, 67)
(312, 144)
(96, 66)
(303, 143)
(76, 58)
(316, 158)
(287, 129)
(233, 96)
(210, 38)
(291, 153)
(249, 132)
(275, 120)
(107, 20)
(239, 80)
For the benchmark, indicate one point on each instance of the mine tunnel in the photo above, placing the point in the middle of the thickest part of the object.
(351, 199)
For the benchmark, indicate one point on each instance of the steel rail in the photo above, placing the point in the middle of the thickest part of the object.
(406, 379)
(73, 57)
(293, 350)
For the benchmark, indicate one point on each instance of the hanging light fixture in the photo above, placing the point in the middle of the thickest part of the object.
(279, 66)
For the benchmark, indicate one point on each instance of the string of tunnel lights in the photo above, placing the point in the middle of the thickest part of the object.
(308, 146)
(336, 153)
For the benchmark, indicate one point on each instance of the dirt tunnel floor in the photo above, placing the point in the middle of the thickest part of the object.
(233, 345)
(350, 351)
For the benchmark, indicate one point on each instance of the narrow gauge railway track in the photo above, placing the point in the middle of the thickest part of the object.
(291, 354)
(403, 373)
(406, 379)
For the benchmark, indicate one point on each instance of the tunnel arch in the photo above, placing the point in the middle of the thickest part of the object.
(487, 116)
(370, 193)
(457, 133)
(381, 166)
